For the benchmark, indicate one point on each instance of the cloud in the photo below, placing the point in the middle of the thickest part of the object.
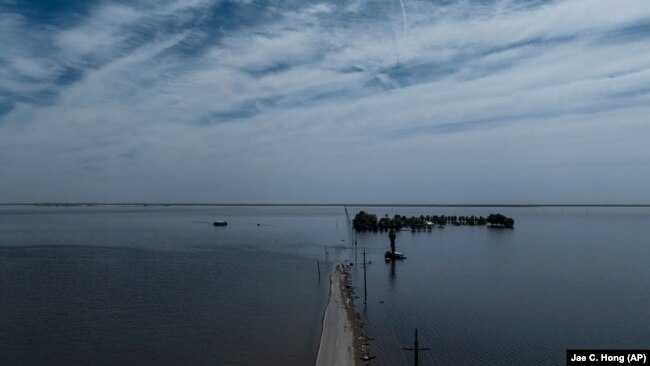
(208, 101)
(99, 33)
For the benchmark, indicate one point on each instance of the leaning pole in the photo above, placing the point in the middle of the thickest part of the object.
(392, 236)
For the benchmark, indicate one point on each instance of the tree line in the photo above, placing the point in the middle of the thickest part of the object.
(364, 221)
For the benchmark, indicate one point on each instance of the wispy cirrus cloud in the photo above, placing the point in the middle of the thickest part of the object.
(326, 101)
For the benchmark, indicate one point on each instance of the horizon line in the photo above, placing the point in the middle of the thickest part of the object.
(72, 204)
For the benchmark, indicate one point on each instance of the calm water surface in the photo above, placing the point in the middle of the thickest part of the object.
(162, 286)
(563, 278)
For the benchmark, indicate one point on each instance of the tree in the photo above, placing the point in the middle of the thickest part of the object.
(364, 221)
(441, 220)
(500, 220)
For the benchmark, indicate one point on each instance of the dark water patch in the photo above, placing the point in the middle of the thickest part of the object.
(62, 305)
(134, 286)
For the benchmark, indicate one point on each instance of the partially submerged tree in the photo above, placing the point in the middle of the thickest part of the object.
(500, 220)
(364, 222)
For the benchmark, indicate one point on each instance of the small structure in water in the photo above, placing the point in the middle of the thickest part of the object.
(220, 223)
(392, 254)
(397, 255)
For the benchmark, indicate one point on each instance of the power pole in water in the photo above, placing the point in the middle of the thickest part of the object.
(416, 348)
(365, 290)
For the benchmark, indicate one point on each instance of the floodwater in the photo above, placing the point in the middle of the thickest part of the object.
(162, 286)
(563, 278)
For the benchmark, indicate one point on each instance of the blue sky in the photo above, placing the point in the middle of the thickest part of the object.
(314, 101)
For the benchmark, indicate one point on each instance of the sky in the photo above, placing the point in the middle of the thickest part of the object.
(363, 101)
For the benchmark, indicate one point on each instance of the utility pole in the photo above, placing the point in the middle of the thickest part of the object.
(416, 348)
(392, 236)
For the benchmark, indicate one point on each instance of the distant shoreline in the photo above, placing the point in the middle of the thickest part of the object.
(81, 204)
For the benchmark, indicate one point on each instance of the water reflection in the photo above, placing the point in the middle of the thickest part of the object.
(392, 276)
(474, 289)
